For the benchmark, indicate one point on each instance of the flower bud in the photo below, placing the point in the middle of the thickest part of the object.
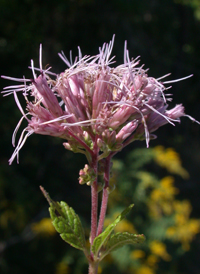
(87, 176)
(126, 131)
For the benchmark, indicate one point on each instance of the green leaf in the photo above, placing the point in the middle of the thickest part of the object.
(102, 238)
(67, 223)
(119, 240)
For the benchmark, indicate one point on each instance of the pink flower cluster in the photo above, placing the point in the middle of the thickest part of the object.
(92, 103)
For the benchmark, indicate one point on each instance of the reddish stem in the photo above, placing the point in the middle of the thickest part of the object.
(94, 193)
(102, 215)
(105, 194)
(93, 268)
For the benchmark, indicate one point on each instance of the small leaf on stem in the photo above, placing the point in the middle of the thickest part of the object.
(102, 238)
(119, 240)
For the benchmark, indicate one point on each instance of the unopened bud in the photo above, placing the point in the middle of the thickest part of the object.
(101, 144)
(87, 176)
(67, 146)
(109, 138)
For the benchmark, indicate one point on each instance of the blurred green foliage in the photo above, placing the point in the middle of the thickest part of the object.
(159, 213)
(166, 34)
(195, 4)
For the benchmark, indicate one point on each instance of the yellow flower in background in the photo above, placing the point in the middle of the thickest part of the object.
(170, 159)
(44, 227)
(194, 226)
(152, 260)
(146, 266)
(107, 221)
(184, 233)
(167, 184)
(159, 249)
(125, 226)
(165, 190)
(137, 254)
(144, 270)
(180, 219)
(162, 197)
(182, 207)
(158, 209)
(156, 195)
(171, 231)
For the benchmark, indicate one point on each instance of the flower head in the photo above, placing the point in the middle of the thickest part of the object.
(93, 105)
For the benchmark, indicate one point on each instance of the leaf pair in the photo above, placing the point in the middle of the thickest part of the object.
(68, 225)
(107, 242)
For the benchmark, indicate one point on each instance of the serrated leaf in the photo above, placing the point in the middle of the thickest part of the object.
(100, 240)
(119, 240)
(68, 224)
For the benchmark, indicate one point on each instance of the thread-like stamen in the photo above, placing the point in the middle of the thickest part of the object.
(178, 80)
(61, 118)
(20, 144)
(33, 71)
(164, 76)
(19, 106)
(15, 79)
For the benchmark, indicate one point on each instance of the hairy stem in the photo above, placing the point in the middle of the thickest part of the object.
(94, 209)
(105, 194)
(94, 194)
(93, 268)
(104, 203)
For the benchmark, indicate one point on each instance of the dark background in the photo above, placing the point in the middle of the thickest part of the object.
(166, 34)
